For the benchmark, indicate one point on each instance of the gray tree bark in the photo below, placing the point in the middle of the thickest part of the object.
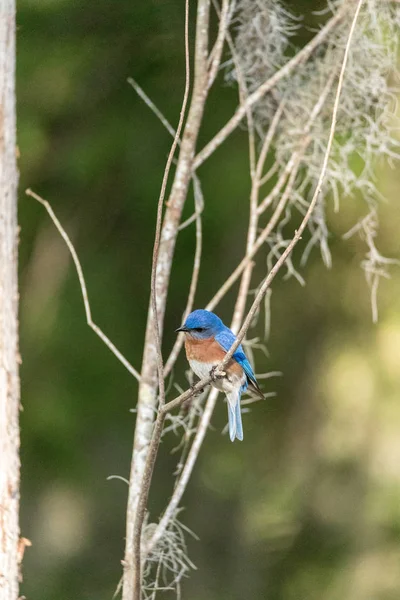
(9, 355)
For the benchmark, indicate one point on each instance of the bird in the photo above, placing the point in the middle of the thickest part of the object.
(207, 340)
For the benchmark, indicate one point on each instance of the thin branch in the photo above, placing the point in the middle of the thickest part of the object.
(270, 173)
(274, 193)
(195, 275)
(186, 472)
(196, 216)
(243, 95)
(194, 411)
(267, 143)
(142, 501)
(267, 86)
(216, 52)
(254, 171)
(148, 101)
(106, 340)
(156, 248)
(147, 391)
(192, 217)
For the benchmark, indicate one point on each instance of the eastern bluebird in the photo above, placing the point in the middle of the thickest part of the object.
(207, 340)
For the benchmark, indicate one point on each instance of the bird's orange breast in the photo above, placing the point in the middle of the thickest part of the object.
(209, 351)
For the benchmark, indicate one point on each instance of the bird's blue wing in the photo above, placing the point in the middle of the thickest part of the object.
(226, 338)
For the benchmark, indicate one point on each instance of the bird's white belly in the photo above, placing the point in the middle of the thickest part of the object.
(226, 384)
(201, 369)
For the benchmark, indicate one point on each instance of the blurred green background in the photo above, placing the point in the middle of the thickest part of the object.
(308, 506)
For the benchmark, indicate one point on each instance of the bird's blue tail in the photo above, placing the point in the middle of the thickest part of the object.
(235, 420)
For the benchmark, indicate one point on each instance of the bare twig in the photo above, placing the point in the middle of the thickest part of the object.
(254, 172)
(142, 502)
(196, 216)
(186, 472)
(142, 94)
(375, 265)
(216, 52)
(267, 145)
(270, 173)
(106, 340)
(156, 248)
(198, 196)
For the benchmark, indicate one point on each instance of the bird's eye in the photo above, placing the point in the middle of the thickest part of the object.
(199, 329)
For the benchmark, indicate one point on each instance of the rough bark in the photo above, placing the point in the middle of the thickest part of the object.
(9, 356)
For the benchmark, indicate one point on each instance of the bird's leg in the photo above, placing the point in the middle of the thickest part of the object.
(187, 403)
(214, 376)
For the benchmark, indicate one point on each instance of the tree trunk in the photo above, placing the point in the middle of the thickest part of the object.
(9, 356)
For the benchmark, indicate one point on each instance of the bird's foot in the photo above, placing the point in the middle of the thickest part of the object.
(187, 403)
(214, 376)
(196, 392)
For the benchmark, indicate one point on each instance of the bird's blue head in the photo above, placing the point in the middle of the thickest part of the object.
(202, 324)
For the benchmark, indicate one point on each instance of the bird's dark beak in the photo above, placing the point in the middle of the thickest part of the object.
(183, 328)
